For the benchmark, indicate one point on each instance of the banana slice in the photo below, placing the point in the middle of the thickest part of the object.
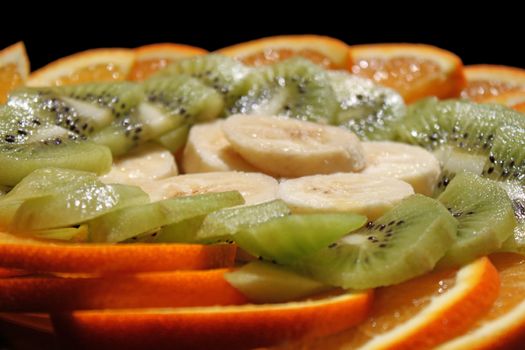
(412, 164)
(148, 162)
(344, 192)
(287, 147)
(208, 150)
(254, 187)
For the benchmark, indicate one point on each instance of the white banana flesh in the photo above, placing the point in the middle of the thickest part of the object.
(254, 187)
(344, 192)
(411, 164)
(207, 150)
(147, 163)
(286, 147)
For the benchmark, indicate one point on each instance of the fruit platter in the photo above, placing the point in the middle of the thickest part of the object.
(291, 192)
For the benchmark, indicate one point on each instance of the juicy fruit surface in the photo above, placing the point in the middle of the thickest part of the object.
(405, 242)
(291, 237)
(365, 108)
(485, 217)
(294, 88)
(262, 282)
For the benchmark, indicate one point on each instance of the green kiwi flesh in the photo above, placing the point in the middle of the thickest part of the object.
(223, 224)
(405, 242)
(263, 282)
(288, 238)
(295, 87)
(132, 221)
(369, 110)
(484, 214)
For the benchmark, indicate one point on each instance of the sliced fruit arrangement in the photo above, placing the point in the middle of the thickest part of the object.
(304, 187)
(151, 58)
(14, 69)
(325, 51)
(485, 81)
(415, 71)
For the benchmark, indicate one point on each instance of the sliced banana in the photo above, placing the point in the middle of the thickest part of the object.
(254, 187)
(411, 164)
(286, 147)
(344, 192)
(148, 162)
(208, 150)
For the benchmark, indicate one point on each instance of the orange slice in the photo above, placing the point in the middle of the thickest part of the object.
(503, 327)
(414, 70)
(423, 312)
(228, 327)
(485, 80)
(11, 272)
(33, 255)
(509, 99)
(151, 58)
(520, 107)
(323, 50)
(146, 290)
(83, 67)
(14, 68)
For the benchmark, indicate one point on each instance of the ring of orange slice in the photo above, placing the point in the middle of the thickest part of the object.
(151, 58)
(414, 70)
(88, 66)
(34, 255)
(326, 51)
(14, 68)
(227, 327)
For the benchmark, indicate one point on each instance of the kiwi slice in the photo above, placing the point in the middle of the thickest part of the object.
(263, 282)
(405, 242)
(119, 97)
(295, 87)
(221, 73)
(74, 204)
(77, 234)
(132, 221)
(40, 183)
(223, 224)
(39, 109)
(288, 238)
(175, 140)
(369, 110)
(21, 126)
(485, 217)
(19, 160)
(184, 98)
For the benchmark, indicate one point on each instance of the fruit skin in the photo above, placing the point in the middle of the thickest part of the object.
(51, 74)
(145, 290)
(42, 256)
(335, 50)
(14, 55)
(236, 327)
(151, 58)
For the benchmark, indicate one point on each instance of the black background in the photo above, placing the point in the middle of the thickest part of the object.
(491, 33)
